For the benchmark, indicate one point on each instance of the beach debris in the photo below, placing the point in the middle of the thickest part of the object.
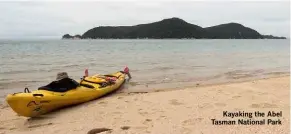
(133, 83)
(148, 120)
(98, 130)
(125, 127)
(102, 102)
(40, 125)
(12, 128)
(137, 92)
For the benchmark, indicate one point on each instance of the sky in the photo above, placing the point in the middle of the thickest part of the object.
(52, 19)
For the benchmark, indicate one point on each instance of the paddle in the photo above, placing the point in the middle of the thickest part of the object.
(126, 71)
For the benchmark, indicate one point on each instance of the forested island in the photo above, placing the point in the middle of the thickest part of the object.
(172, 28)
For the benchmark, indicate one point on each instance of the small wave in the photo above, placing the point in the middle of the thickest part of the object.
(160, 68)
(17, 72)
(235, 72)
(73, 65)
(277, 73)
(198, 66)
(259, 71)
(44, 64)
(5, 79)
(164, 68)
(239, 74)
(29, 71)
(18, 82)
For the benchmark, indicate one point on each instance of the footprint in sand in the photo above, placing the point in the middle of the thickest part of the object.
(205, 105)
(237, 109)
(219, 91)
(117, 113)
(175, 102)
(186, 131)
(162, 117)
(147, 122)
(220, 104)
(102, 102)
(192, 121)
(263, 93)
(143, 113)
(255, 106)
(3, 106)
(98, 130)
(235, 97)
(268, 105)
(264, 105)
(119, 97)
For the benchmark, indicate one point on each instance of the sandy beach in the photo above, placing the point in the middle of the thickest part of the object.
(185, 111)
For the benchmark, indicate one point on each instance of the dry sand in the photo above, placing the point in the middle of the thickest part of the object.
(187, 111)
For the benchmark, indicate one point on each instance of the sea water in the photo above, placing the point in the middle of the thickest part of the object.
(154, 64)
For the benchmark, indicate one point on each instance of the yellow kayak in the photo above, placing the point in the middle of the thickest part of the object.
(44, 100)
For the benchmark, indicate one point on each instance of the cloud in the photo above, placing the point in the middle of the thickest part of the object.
(47, 18)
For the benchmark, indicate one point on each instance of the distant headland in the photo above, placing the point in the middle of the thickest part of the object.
(172, 28)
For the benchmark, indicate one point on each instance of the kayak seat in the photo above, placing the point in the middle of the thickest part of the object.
(86, 85)
(62, 85)
(97, 79)
(108, 75)
(95, 82)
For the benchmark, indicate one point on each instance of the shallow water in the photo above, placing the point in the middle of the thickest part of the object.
(154, 64)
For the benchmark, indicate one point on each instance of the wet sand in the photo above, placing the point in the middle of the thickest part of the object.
(184, 111)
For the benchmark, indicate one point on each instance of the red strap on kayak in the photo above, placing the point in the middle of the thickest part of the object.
(86, 73)
(126, 70)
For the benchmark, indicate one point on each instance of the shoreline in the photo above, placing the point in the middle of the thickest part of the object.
(189, 110)
(198, 85)
(190, 84)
